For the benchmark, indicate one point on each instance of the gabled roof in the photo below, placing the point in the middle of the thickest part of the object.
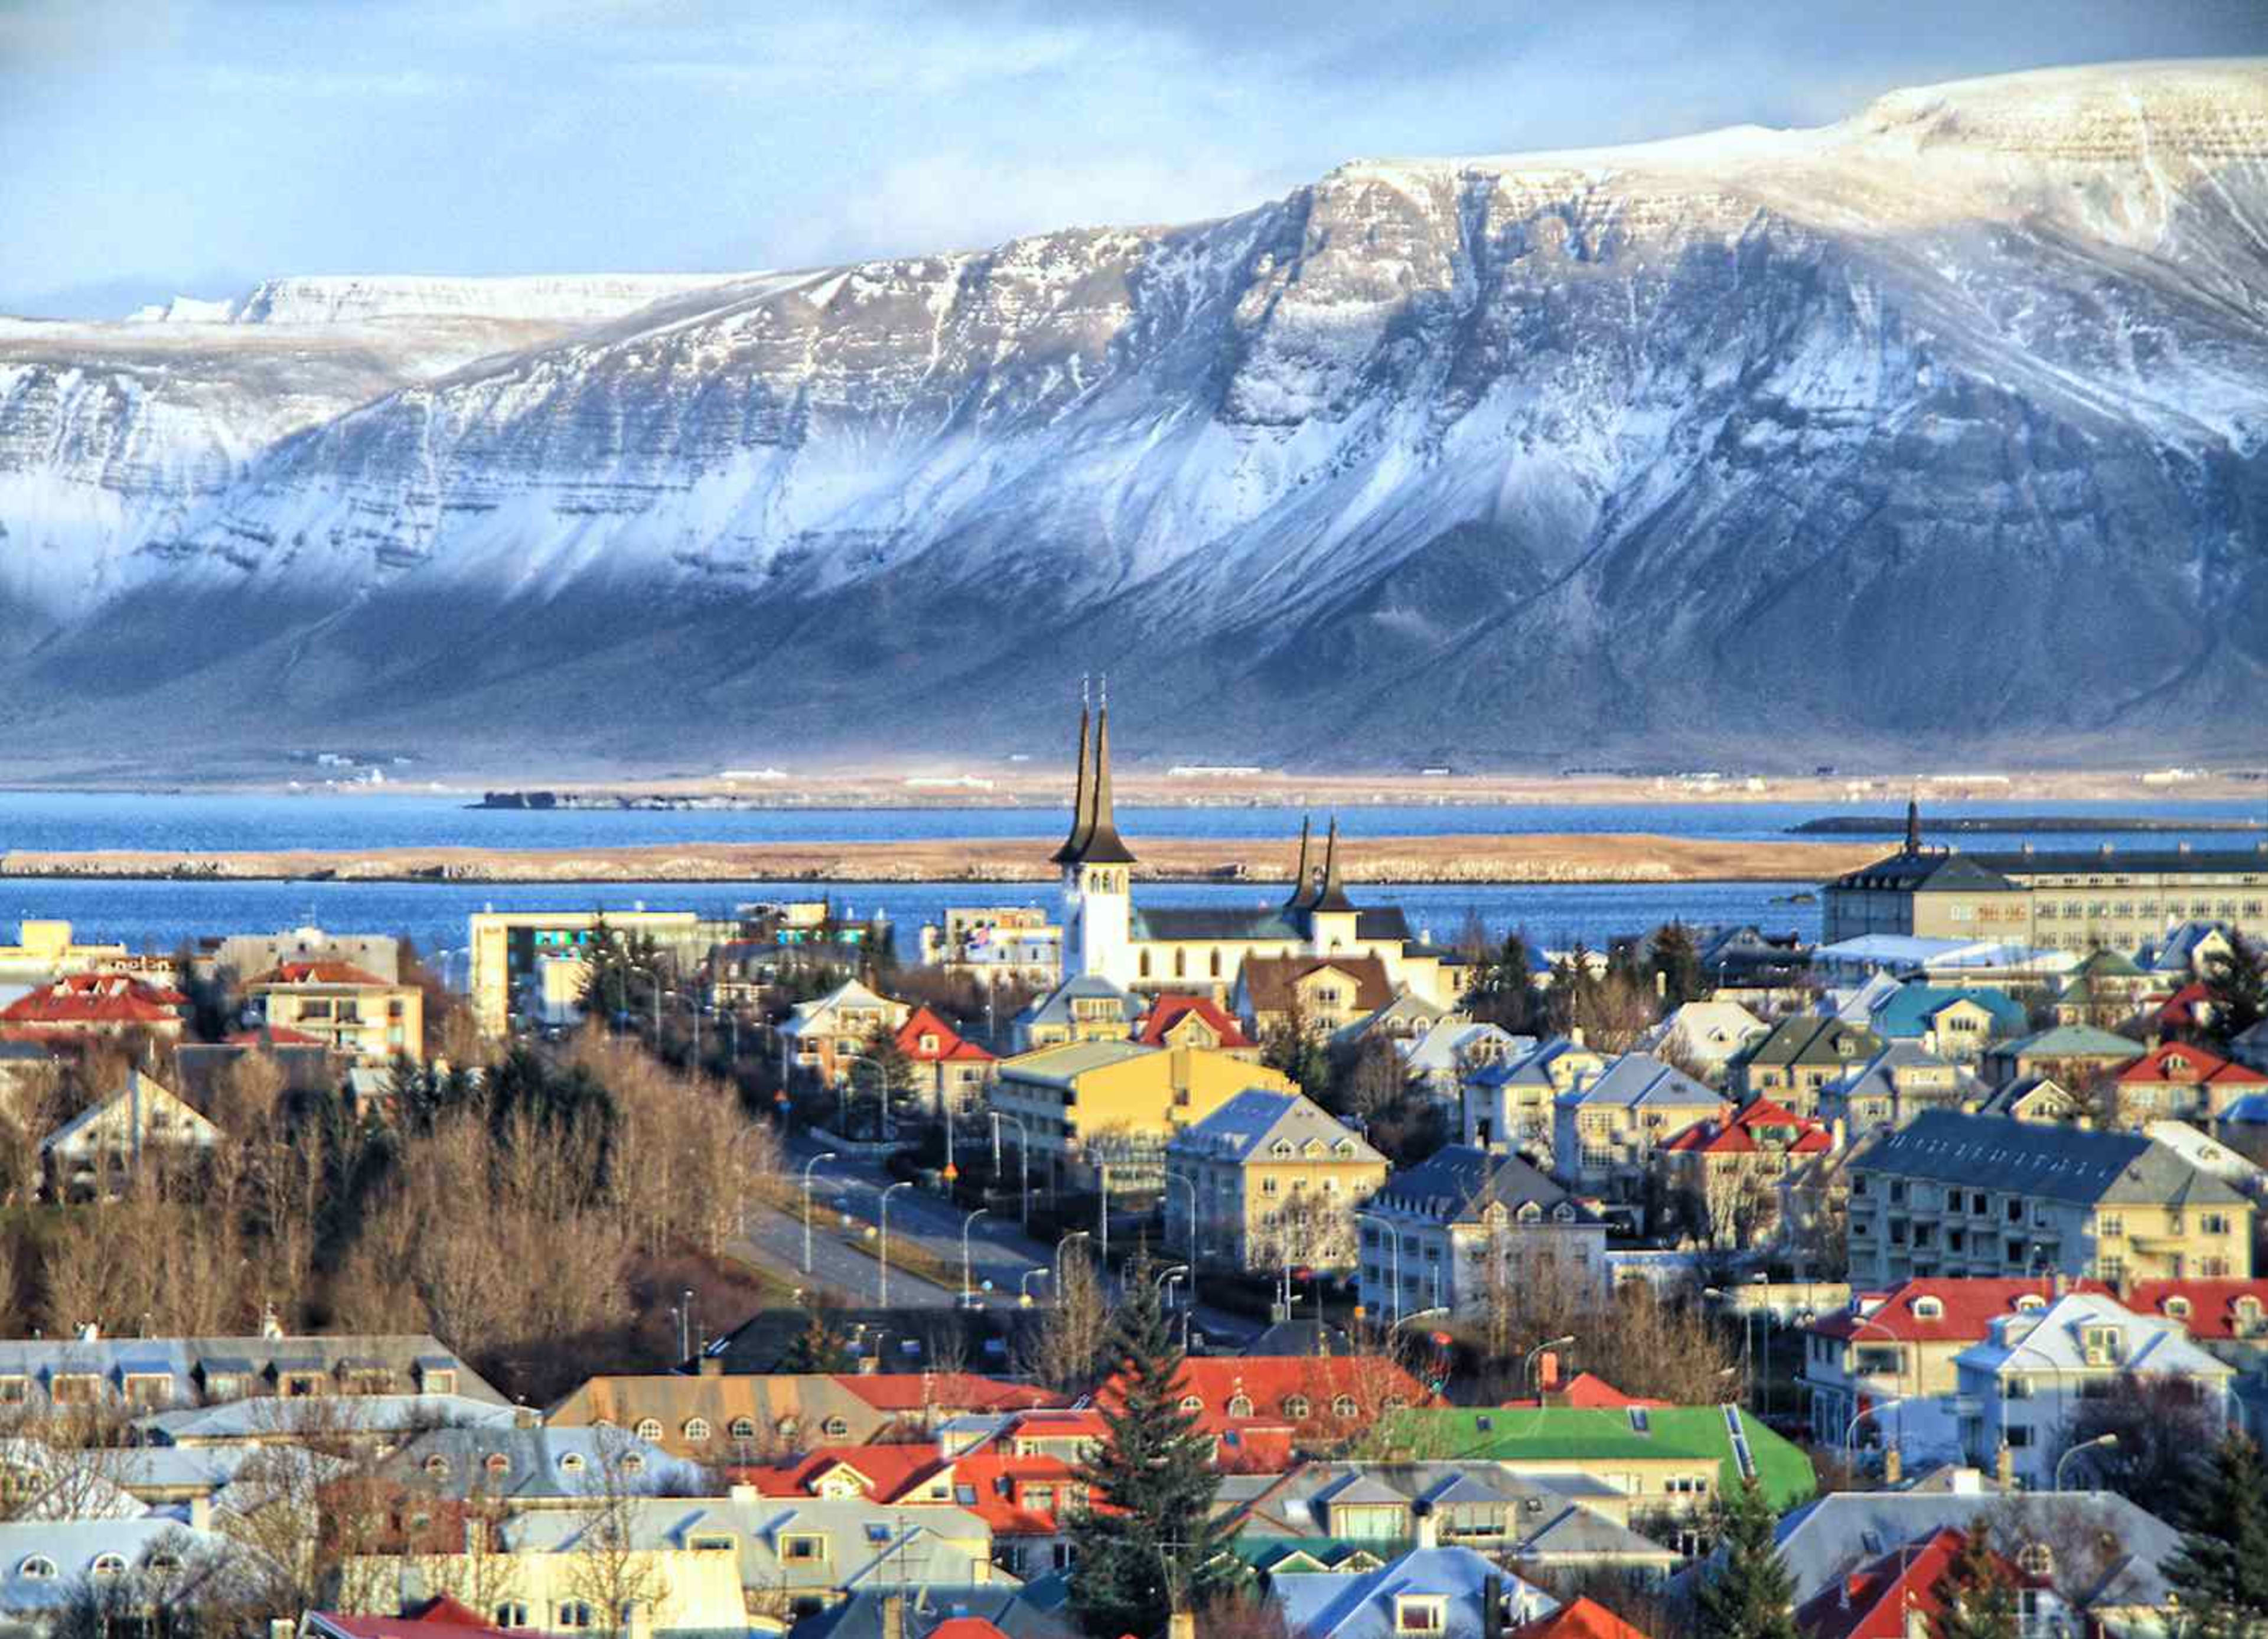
(1912, 1010)
(1939, 1311)
(1584, 1618)
(952, 1046)
(1459, 1182)
(164, 1118)
(1564, 1435)
(2072, 1041)
(1810, 1039)
(1272, 981)
(1640, 1080)
(1883, 1599)
(1249, 1125)
(948, 1391)
(2151, 1343)
(95, 999)
(849, 994)
(1055, 1008)
(1169, 1010)
(1928, 871)
(1738, 1136)
(2033, 1158)
(2184, 1063)
(1336, 1605)
(317, 972)
(437, 1619)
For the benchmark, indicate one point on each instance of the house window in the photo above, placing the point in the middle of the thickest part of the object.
(836, 1428)
(1191, 1402)
(808, 1549)
(512, 1613)
(743, 1429)
(74, 1388)
(36, 1568)
(1345, 1405)
(696, 1429)
(106, 1566)
(497, 1463)
(2036, 1559)
(1421, 1614)
(1296, 1407)
(436, 1468)
(1239, 1405)
(649, 1428)
(571, 1462)
(575, 1613)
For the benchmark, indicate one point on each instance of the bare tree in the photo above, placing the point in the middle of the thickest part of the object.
(609, 1569)
(1064, 1349)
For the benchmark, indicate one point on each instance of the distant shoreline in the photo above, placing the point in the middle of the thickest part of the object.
(1975, 825)
(1403, 861)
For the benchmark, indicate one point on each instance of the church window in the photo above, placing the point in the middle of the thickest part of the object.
(1216, 964)
(1145, 964)
(1180, 964)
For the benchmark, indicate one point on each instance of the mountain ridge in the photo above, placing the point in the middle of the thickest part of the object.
(1936, 426)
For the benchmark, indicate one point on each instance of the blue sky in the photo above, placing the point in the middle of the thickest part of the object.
(151, 147)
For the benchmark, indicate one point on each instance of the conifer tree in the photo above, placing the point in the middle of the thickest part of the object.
(2221, 1571)
(819, 1347)
(1976, 1598)
(1747, 1592)
(1676, 963)
(1148, 1543)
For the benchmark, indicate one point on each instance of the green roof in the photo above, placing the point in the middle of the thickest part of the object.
(2072, 1041)
(1565, 1434)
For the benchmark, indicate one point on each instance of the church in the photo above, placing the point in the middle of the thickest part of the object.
(1204, 949)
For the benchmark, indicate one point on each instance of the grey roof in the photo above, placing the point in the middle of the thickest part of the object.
(1932, 871)
(1059, 1065)
(1811, 1039)
(73, 1544)
(1824, 1541)
(276, 1416)
(2142, 862)
(1334, 1604)
(1532, 1068)
(1021, 1613)
(1638, 1079)
(1054, 1008)
(1456, 1183)
(1257, 1117)
(538, 1463)
(2034, 1158)
(1544, 1513)
(196, 1364)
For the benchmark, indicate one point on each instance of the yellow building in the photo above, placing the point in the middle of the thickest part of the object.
(45, 950)
(1090, 1105)
(1273, 1181)
(347, 1009)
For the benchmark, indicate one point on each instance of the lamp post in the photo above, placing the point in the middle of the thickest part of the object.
(1898, 1375)
(968, 1292)
(1023, 1157)
(1747, 1330)
(1412, 1317)
(1065, 1241)
(885, 1218)
(1528, 1366)
(1165, 1279)
(1851, 1434)
(1394, 1240)
(1190, 1184)
(824, 1154)
(655, 977)
(1024, 1284)
(2103, 1442)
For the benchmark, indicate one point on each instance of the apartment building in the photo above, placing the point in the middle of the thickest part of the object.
(1463, 1224)
(1959, 1194)
(350, 1010)
(1608, 1129)
(1086, 1108)
(1271, 1181)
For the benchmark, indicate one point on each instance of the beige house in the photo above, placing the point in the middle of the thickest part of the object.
(1324, 993)
(1087, 1105)
(1609, 1128)
(1957, 1195)
(100, 1147)
(1273, 1181)
(350, 1010)
(821, 1039)
(512, 951)
(1795, 1060)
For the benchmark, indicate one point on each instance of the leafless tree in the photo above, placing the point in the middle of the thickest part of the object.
(609, 1569)
(1064, 1350)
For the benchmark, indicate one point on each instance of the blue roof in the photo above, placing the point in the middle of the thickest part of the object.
(1909, 1012)
(2252, 1109)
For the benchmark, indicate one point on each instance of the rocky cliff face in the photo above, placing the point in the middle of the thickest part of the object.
(1939, 427)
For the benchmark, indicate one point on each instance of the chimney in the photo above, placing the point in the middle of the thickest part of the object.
(1893, 1465)
(894, 1616)
(1547, 1372)
(1492, 1606)
(713, 1366)
(523, 1417)
(2004, 1467)
(1575, 1034)
(742, 1494)
(2061, 1284)
(1429, 1533)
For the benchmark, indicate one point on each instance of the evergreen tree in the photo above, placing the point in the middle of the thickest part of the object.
(1149, 1543)
(1677, 964)
(1977, 1597)
(2239, 983)
(819, 1347)
(1747, 1594)
(2221, 1571)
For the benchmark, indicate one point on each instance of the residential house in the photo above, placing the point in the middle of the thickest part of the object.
(1320, 994)
(1430, 1589)
(95, 1152)
(1661, 1458)
(1953, 1022)
(1747, 958)
(950, 1071)
(1085, 1007)
(995, 945)
(524, 1464)
(1507, 1100)
(78, 1006)
(749, 1417)
(2074, 1055)
(1891, 1088)
(45, 950)
(1442, 1056)
(2040, 1099)
(350, 1010)
(1703, 1036)
(2182, 1082)
(2189, 950)
(153, 1562)
(1959, 1194)
(1270, 1182)
(2103, 1555)
(1088, 1107)
(1402, 1018)
(1800, 1055)
(822, 1040)
(1895, 1595)
(1581, 1618)
(1608, 1128)
(43, 1375)
(439, 1618)
(2104, 991)
(2021, 1388)
(1464, 1225)
(1195, 1021)
(1261, 1410)
(1731, 1172)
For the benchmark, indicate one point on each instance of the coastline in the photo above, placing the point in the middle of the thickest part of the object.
(1620, 857)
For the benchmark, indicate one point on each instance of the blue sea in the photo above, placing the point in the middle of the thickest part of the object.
(160, 916)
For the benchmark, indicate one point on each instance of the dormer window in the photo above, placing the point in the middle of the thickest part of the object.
(1928, 1309)
(436, 1468)
(1421, 1614)
(1191, 1402)
(497, 1463)
(649, 1428)
(1239, 1405)
(1296, 1407)
(2178, 1308)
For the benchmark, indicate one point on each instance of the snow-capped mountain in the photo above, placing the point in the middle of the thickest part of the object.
(1940, 426)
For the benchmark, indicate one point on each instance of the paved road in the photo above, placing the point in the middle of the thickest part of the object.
(998, 1249)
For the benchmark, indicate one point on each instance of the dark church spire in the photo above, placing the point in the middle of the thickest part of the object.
(1332, 895)
(1096, 841)
(1303, 884)
(1080, 825)
(1913, 826)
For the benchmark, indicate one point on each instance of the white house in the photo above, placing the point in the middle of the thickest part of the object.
(109, 1139)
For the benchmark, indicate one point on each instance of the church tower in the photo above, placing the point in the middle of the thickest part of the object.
(1098, 867)
(1331, 914)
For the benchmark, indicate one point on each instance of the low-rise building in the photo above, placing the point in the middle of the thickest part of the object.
(820, 1039)
(1086, 1107)
(751, 1417)
(1274, 1181)
(1703, 1036)
(1897, 1594)
(39, 1376)
(1085, 1007)
(1608, 1129)
(950, 1071)
(1731, 1172)
(86, 1005)
(1958, 1195)
(1508, 1101)
(1799, 1056)
(1319, 993)
(96, 1152)
(2022, 1388)
(995, 945)
(1956, 1022)
(1893, 1087)
(1427, 1590)
(2181, 1081)
(1464, 1228)
(350, 1010)
(1195, 1021)
(2104, 991)
(2074, 1055)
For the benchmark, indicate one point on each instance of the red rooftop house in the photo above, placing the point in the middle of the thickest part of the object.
(950, 1071)
(2182, 1082)
(433, 1619)
(1265, 1411)
(1581, 1618)
(81, 1005)
(1731, 1172)
(1177, 1020)
(922, 1400)
(1895, 1597)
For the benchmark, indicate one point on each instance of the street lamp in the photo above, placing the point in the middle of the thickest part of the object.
(1851, 1434)
(1023, 1156)
(1065, 1241)
(968, 1224)
(1413, 1316)
(885, 1217)
(1528, 1366)
(1747, 1330)
(1165, 1279)
(1024, 1285)
(1186, 1182)
(1898, 1375)
(824, 1154)
(2101, 1441)
(655, 977)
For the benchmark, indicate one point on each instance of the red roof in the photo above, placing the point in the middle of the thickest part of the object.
(443, 1618)
(966, 1627)
(1968, 1309)
(1878, 1600)
(943, 1391)
(1239, 1397)
(2217, 1309)
(1581, 1618)
(320, 972)
(889, 1470)
(274, 1036)
(1738, 1135)
(2188, 1007)
(1586, 1391)
(997, 1488)
(1169, 1010)
(951, 1045)
(2178, 1063)
(96, 999)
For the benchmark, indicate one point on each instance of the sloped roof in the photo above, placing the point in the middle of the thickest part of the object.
(1965, 1309)
(1270, 981)
(1912, 1010)
(952, 1390)
(317, 972)
(1562, 1434)
(2072, 1041)
(1247, 1126)
(1882, 1598)
(2184, 1063)
(1811, 1039)
(2153, 1344)
(1055, 1008)
(1168, 1011)
(1639, 1080)
(1738, 1135)
(2034, 1158)
(95, 999)
(951, 1046)
(1458, 1182)
(1584, 1618)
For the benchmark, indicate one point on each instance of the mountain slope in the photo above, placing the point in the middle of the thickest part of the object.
(1939, 427)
